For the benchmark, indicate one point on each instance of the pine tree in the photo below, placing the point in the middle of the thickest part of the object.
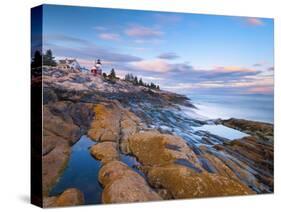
(135, 80)
(127, 77)
(48, 58)
(140, 82)
(37, 59)
(131, 78)
(112, 74)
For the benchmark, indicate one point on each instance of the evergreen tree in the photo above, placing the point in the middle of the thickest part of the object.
(48, 58)
(131, 78)
(37, 59)
(135, 80)
(104, 75)
(141, 82)
(127, 77)
(112, 74)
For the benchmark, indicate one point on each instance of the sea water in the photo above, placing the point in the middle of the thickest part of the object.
(251, 107)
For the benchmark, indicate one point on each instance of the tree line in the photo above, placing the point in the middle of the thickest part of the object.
(134, 79)
(46, 59)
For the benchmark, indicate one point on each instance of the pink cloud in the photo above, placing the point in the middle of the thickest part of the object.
(254, 21)
(155, 65)
(260, 90)
(232, 69)
(109, 36)
(143, 32)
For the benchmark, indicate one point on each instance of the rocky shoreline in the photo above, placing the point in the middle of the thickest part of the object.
(176, 160)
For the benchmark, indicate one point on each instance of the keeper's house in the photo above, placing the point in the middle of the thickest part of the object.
(67, 64)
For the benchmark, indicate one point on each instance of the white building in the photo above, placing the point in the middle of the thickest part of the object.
(69, 64)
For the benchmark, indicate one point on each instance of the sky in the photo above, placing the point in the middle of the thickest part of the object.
(182, 52)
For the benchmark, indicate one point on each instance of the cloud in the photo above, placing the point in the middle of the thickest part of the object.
(168, 55)
(254, 21)
(227, 69)
(150, 78)
(91, 52)
(155, 65)
(99, 28)
(64, 38)
(246, 86)
(84, 50)
(260, 63)
(109, 36)
(184, 78)
(143, 32)
(271, 68)
(178, 77)
(228, 73)
(170, 18)
(152, 41)
(257, 64)
(260, 90)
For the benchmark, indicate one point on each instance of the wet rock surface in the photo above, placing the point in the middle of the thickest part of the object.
(261, 130)
(122, 184)
(173, 166)
(70, 197)
(154, 148)
(158, 128)
(182, 182)
(105, 151)
(62, 126)
(106, 125)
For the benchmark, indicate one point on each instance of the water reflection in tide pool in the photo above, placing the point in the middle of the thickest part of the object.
(222, 131)
(81, 173)
(132, 162)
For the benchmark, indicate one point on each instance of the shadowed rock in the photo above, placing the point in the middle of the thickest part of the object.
(187, 164)
(256, 157)
(63, 124)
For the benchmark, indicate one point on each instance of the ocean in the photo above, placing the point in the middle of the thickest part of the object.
(252, 107)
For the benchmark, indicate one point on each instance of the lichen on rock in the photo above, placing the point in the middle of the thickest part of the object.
(121, 185)
(70, 197)
(156, 149)
(105, 151)
(182, 182)
(106, 125)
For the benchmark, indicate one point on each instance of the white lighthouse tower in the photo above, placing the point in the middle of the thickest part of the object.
(96, 69)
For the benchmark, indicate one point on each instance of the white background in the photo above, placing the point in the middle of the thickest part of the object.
(15, 102)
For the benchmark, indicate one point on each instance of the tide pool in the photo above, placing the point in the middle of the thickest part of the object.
(221, 131)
